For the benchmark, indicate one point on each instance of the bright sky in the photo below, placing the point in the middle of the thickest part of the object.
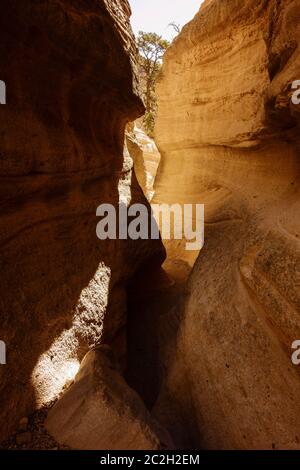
(155, 15)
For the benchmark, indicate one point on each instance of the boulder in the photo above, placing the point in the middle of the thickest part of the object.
(99, 411)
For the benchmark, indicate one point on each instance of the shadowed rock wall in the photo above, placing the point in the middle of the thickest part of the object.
(69, 68)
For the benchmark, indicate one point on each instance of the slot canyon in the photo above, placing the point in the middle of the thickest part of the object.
(141, 344)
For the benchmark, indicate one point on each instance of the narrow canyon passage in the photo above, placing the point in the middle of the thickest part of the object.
(137, 343)
(149, 331)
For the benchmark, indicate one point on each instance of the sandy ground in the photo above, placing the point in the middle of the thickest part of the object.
(32, 434)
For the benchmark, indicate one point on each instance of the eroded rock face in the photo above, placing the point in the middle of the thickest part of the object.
(228, 134)
(69, 68)
(100, 412)
(146, 158)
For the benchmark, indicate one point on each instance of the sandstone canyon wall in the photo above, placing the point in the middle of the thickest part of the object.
(69, 67)
(146, 158)
(229, 137)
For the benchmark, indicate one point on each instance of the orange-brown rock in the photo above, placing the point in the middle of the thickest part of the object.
(228, 134)
(69, 68)
(146, 157)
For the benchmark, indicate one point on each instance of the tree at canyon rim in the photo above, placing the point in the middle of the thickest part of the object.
(151, 50)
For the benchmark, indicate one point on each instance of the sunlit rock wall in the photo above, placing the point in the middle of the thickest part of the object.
(228, 134)
(146, 158)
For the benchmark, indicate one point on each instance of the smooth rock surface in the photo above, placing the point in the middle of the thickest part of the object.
(99, 411)
(228, 134)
